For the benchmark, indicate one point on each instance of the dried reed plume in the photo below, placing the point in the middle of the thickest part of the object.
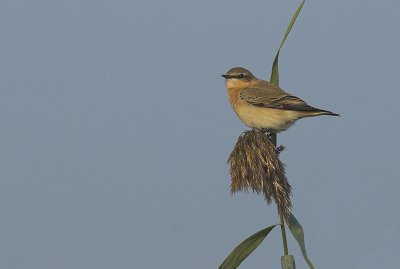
(254, 163)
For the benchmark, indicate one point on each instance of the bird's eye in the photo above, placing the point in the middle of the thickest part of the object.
(241, 76)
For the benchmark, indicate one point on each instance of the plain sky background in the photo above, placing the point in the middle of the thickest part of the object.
(115, 131)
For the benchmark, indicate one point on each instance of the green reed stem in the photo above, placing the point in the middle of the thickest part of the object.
(282, 220)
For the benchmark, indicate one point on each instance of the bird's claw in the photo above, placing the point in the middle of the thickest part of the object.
(280, 149)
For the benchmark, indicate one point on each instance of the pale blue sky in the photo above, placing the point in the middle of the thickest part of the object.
(115, 131)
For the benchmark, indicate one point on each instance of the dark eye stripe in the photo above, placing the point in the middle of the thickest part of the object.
(240, 76)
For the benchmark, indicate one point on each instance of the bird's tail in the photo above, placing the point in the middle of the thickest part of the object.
(326, 112)
(313, 111)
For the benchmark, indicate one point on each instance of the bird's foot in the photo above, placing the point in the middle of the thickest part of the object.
(280, 149)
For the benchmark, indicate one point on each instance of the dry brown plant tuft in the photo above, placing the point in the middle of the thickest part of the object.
(255, 164)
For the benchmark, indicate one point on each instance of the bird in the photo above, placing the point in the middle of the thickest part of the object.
(263, 106)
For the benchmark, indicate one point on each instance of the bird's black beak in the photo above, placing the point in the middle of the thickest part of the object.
(225, 76)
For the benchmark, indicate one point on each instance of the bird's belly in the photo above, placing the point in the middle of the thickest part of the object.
(273, 120)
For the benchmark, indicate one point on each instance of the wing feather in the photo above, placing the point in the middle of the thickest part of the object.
(274, 97)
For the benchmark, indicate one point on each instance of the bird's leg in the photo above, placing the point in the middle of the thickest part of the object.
(265, 131)
(269, 136)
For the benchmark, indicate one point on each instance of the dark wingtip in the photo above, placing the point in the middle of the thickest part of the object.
(332, 114)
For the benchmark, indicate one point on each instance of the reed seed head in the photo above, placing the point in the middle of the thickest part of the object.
(255, 164)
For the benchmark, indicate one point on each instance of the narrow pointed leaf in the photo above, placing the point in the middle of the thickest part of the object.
(275, 72)
(244, 249)
(298, 234)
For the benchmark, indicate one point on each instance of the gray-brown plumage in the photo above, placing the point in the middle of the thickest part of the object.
(264, 106)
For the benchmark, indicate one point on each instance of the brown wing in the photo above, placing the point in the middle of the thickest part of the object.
(274, 97)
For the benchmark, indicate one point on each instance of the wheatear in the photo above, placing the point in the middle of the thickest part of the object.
(263, 106)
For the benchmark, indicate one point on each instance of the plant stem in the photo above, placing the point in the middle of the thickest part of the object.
(282, 220)
(283, 232)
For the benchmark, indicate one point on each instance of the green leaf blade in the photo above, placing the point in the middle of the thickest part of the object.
(275, 73)
(297, 231)
(244, 249)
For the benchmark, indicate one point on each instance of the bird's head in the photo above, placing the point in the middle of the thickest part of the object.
(238, 77)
